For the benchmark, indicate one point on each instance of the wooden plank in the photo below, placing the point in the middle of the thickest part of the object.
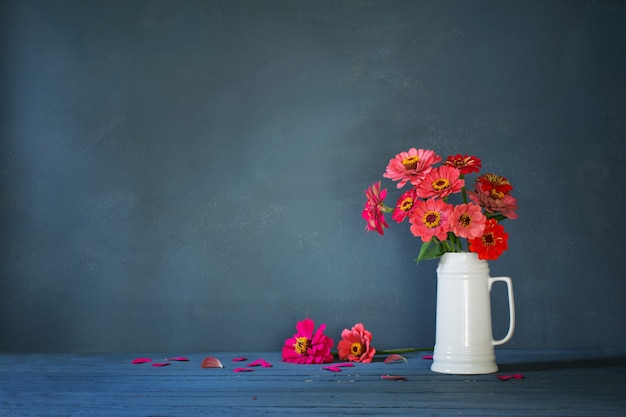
(555, 384)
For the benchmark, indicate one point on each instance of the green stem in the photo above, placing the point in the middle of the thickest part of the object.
(405, 350)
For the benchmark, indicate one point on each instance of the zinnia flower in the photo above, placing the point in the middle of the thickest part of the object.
(411, 166)
(466, 164)
(374, 212)
(440, 182)
(467, 220)
(404, 205)
(492, 243)
(495, 203)
(355, 345)
(430, 218)
(494, 184)
(308, 347)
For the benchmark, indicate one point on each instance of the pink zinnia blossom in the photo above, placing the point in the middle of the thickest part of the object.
(308, 347)
(441, 182)
(411, 166)
(465, 163)
(430, 218)
(467, 220)
(374, 212)
(495, 203)
(355, 345)
(404, 205)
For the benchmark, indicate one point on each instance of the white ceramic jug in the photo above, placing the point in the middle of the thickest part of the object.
(464, 340)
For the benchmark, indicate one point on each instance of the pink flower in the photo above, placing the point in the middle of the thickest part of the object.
(411, 166)
(440, 182)
(430, 218)
(404, 205)
(467, 220)
(465, 163)
(355, 345)
(493, 202)
(374, 212)
(307, 347)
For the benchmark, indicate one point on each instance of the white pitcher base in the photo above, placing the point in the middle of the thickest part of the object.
(468, 363)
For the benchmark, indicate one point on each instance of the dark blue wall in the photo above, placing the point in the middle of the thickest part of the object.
(189, 175)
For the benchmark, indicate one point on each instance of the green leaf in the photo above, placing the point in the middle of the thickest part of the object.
(430, 251)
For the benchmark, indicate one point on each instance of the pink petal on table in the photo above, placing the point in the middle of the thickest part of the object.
(427, 357)
(243, 370)
(332, 368)
(177, 358)
(211, 362)
(507, 377)
(395, 358)
(160, 364)
(261, 362)
(394, 377)
(140, 360)
(240, 359)
(345, 365)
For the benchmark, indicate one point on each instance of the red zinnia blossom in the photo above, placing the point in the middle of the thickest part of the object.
(467, 220)
(492, 243)
(494, 184)
(430, 218)
(465, 163)
(404, 205)
(307, 347)
(373, 213)
(355, 345)
(440, 182)
(411, 166)
(495, 203)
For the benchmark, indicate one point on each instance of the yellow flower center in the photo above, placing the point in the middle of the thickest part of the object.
(411, 162)
(465, 220)
(406, 204)
(498, 195)
(356, 349)
(431, 219)
(441, 184)
(302, 345)
(489, 239)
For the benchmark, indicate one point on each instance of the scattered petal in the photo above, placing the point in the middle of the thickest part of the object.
(243, 370)
(161, 364)
(345, 365)
(427, 357)
(261, 362)
(178, 358)
(507, 377)
(240, 359)
(141, 360)
(395, 358)
(394, 377)
(211, 362)
(332, 368)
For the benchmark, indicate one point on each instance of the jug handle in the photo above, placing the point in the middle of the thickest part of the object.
(509, 286)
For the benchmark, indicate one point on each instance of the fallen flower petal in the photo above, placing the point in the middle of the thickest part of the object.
(160, 364)
(243, 370)
(141, 360)
(394, 377)
(507, 377)
(240, 359)
(178, 358)
(395, 358)
(211, 362)
(332, 368)
(261, 362)
(345, 365)
(427, 357)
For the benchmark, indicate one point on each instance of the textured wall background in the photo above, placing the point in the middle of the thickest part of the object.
(189, 175)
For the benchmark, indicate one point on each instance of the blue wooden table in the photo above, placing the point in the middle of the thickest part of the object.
(554, 383)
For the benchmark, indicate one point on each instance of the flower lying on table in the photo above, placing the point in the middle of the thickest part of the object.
(440, 224)
(307, 346)
(355, 344)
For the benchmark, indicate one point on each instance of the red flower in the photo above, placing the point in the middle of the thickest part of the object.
(355, 345)
(308, 347)
(492, 243)
(465, 163)
(404, 205)
(374, 212)
(494, 184)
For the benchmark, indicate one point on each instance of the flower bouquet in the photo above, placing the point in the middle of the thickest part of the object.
(441, 211)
